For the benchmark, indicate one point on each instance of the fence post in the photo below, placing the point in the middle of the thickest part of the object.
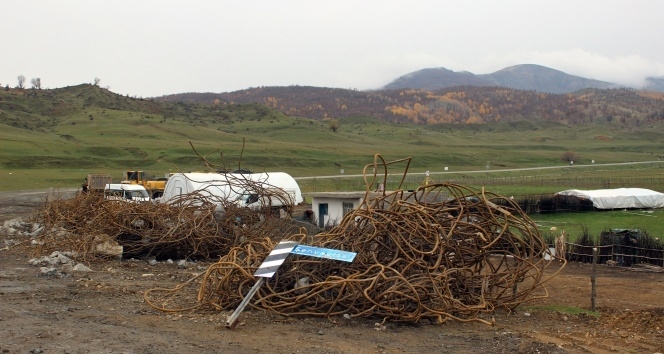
(593, 280)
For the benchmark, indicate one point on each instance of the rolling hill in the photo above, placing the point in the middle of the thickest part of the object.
(459, 104)
(55, 137)
(433, 96)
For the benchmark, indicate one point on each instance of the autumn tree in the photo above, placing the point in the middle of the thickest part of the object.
(21, 82)
(334, 125)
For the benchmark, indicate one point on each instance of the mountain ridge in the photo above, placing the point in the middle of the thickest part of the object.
(521, 77)
(440, 95)
(655, 84)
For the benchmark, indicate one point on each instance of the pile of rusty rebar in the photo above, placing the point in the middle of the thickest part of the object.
(441, 252)
(195, 226)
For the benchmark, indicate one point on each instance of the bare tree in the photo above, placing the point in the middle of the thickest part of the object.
(569, 156)
(96, 82)
(21, 82)
(36, 83)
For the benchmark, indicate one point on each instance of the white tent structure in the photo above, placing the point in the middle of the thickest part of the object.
(214, 186)
(619, 198)
(217, 187)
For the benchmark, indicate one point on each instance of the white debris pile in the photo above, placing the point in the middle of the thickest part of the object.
(58, 264)
(181, 264)
(19, 228)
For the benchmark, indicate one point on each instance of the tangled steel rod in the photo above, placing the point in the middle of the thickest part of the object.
(440, 252)
(199, 228)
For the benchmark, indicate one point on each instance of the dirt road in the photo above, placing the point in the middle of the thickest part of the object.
(103, 311)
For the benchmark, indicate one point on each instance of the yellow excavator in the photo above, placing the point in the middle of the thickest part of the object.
(155, 187)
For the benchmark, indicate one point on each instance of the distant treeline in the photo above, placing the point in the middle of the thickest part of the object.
(466, 104)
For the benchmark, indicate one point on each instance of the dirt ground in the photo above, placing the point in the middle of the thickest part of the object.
(103, 311)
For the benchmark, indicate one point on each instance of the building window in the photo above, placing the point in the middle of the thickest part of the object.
(347, 207)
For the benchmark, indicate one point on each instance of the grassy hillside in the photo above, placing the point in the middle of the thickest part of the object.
(54, 138)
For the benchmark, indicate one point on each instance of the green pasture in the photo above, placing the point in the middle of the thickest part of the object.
(650, 221)
(54, 137)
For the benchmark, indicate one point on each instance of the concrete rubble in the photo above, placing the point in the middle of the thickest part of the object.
(63, 263)
(58, 264)
(19, 227)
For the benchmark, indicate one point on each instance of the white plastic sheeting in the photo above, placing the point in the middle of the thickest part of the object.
(217, 186)
(619, 198)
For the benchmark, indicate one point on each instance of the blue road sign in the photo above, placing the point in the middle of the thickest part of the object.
(324, 253)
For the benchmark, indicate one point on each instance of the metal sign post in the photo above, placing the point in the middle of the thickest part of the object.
(266, 270)
(231, 321)
(275, 259)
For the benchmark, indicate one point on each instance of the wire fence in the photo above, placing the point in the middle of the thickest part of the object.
(411, 182)
(578, 182)
(616, 254)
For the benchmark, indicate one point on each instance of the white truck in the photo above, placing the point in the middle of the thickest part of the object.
(134, 193)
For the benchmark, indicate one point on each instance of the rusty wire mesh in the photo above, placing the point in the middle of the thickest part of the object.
(440, 252)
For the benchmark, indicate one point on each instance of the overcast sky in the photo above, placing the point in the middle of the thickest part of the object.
(152, 48)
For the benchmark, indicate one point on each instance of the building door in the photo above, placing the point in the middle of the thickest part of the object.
(322, 212)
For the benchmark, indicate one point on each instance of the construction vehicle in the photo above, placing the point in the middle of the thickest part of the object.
(155, 187)
(95, 182)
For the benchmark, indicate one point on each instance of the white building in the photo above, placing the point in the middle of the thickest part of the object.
(330, 207)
